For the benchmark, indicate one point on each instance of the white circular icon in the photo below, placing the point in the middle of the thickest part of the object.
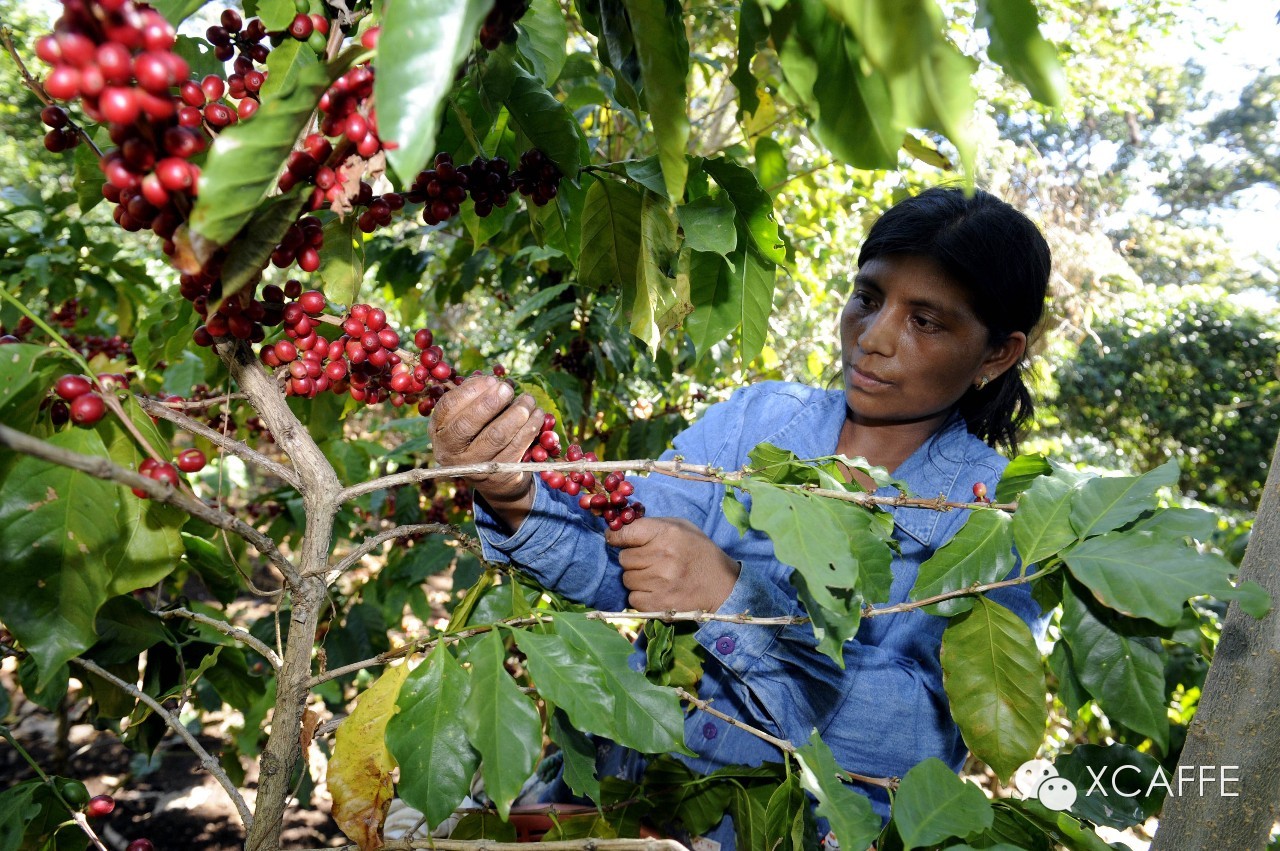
(1037, 778)
(1057, 793)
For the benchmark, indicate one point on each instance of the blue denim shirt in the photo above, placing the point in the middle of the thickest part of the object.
(886, 710)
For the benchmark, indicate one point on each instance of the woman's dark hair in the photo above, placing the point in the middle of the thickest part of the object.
(1000, 257)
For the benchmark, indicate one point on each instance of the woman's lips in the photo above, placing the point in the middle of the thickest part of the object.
(866, 380)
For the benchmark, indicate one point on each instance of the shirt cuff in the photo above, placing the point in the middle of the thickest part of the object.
(532, 539)
(737, 646)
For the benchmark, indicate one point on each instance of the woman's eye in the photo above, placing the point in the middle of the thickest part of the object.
(924, 323)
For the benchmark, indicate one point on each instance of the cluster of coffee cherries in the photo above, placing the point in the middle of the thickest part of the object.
(365, 361)
(441, 190)
(77, 401)
(500, 24)
(188, 461)
(311, 27)
(203, 101)
(301, 243)
(233, 35)
(537, 177)
(62, 135)
(341, 105)
(241, 315)
(118, 60)
(610, 498)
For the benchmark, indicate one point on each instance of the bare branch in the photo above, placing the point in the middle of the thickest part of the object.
(371, 544)
(781, 744)
(421, 645)
(103, 468)
(201, 404)
(976, 588)
(588, 844)
(698, 616)
(239, 634)
(675, 468)
(206, 759)
(235, 447)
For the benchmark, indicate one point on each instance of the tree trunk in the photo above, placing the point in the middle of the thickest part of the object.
(1238, 721)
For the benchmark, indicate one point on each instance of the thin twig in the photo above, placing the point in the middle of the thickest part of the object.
(872, 611)
(206, 759)
(371, 544)
(76, 815)
(200, 404)
(781, 744)
(6, 35)
(235, 447)
(239, 634)
(103, 468)
(676, 468)
(587, 844)
(422, 645)
(695, 616)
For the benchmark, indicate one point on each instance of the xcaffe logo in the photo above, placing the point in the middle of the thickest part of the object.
(1038, 779)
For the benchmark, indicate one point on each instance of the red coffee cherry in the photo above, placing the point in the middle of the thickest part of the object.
(312, 302)
(191, 461)
(100, 805)
(979, 491)
(87, 409)
(141, 844)
(71, 387)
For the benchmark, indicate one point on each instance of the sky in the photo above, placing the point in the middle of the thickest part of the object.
(1251, 45)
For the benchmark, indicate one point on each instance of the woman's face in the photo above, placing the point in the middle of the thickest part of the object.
(911, 343)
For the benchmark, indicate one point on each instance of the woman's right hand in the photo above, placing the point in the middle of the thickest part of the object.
(481, 421)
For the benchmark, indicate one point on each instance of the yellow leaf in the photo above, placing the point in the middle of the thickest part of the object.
(360, 770)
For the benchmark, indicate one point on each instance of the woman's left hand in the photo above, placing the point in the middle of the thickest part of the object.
(670, 564)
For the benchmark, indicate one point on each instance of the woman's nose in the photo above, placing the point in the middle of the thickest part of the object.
(876, 334)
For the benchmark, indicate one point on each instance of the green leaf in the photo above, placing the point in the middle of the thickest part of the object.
(660, 300)
(771, 164)
(854, 116)
(342, 261)
(183, 374)
(610, 235)
(428, 739)
(276, 14)
(663, 51)
(754, 206)
(708, 225)
(421, 45)
(246, 158)
(894, 33)
(1020, 474)
(1070, 691)
(546, 122)
(716, 311)
(177, 11)
(1063, 828)
(788, 819)
(55, 523)
(26, 371)
(579, 756)
(249, 252)
(1120, 800)
(925, 152)
(502, 724)
(648, 173)
(934, 804)
(18, 809)
(752, 32)
(1108, 502)
(544, 32)
(980, 552)
(751, 280)
(850, 815)
(483, 826)
(1254, 600)
(1148, 577)
(1194, 523)
(284, 66)
(1124, 673)
(936, 94)
(835, 552)
(1016, 44)
(993, 676)
(1042, 523)
(88, 179)
(199, 56)
(582, 669)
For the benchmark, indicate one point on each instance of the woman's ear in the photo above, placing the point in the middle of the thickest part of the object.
(1004, 356)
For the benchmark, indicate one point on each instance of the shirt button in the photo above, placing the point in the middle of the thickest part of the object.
(709, 730)
(725, 645)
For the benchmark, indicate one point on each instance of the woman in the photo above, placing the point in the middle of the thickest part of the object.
(949, 288)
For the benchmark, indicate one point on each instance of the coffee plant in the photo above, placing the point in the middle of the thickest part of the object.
(260, 415)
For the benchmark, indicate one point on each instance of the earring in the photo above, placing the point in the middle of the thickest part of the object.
(982, 382)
